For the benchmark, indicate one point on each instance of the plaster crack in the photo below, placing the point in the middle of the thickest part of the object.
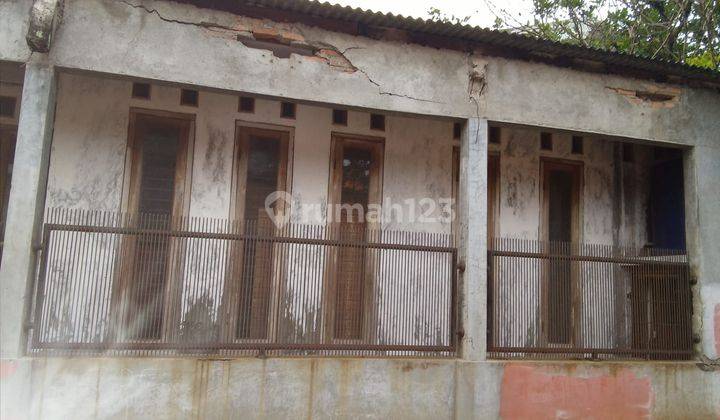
(476, 87)
(384, 92)
(181, 22)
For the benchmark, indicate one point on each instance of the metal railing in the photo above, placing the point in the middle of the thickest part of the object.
(116, 283)
(581, 301)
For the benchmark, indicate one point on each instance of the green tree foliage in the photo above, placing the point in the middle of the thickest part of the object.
(686, 31)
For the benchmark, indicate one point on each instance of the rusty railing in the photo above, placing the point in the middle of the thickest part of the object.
(116, 283)
(580, 301)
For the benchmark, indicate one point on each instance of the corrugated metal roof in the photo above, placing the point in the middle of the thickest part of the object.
(491, 37)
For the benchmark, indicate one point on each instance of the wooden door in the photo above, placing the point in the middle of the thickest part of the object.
(261, 169)
(560, 231)
(356, 182)
(158, 145)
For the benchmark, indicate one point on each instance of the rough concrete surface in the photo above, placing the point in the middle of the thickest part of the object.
(352, 388)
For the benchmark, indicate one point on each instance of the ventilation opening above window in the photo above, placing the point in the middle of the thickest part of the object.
(189, 97)
(546, 141)
(577, 145)
(287, 110)
(339, 116)
(247, 104)
(377, 122)
(141, 90)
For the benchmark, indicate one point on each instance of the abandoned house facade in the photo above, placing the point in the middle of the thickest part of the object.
(287, 208)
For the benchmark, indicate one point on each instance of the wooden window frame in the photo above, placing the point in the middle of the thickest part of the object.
(578, 170)
(577, 145)
(7, 158)
(377, 147)
(230, 303)
(129, 204)
(455, 190)
(493, 223)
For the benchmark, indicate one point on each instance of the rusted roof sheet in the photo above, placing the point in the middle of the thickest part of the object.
(475, 35)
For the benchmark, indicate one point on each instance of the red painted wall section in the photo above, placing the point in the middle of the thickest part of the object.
(562, 393)
(717, 331)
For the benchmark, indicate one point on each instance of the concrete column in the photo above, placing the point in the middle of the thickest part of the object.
(27, 201)
(702, 198)
(472, 211)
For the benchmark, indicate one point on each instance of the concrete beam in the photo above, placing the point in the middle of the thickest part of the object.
(472, 211)
(26, 204)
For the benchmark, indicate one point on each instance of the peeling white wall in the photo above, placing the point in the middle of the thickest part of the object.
(89, 142)
(520, 157)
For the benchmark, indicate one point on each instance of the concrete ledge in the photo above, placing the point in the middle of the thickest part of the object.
(351, 388)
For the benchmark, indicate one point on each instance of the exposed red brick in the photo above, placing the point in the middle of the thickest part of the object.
(544, 393)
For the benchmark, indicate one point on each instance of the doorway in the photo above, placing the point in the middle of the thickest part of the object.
(355, 184)
(560, 231)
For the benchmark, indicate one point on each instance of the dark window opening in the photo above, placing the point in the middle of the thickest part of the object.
(577, 145)
(666, 210)
(141, 90)
(339, 116)
(546, 142)
(189, 97)
(377, 122)
(246, 104)
(287, 110)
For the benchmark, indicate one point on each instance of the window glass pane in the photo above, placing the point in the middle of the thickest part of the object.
(262, 173)
(355, 181)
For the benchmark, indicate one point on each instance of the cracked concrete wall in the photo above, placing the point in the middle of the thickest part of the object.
(178, 43)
